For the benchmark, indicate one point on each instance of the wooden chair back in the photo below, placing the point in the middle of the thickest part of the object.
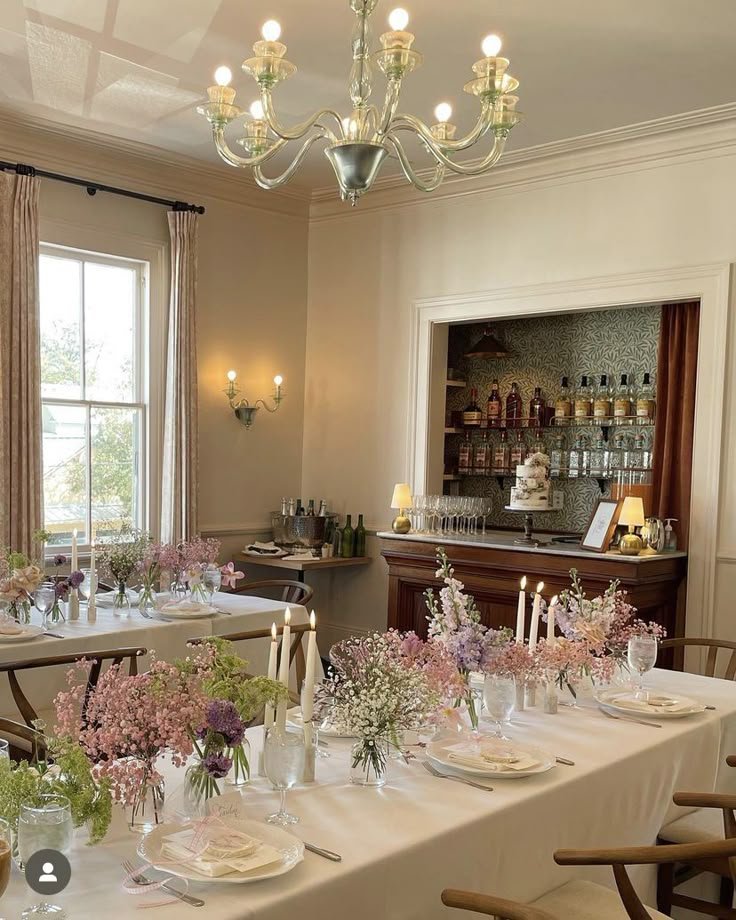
(713, 646)
(288, 591)
(697, 853)
(499, 908)
(26, 732)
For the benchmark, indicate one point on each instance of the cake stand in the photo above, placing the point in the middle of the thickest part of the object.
(528, 539)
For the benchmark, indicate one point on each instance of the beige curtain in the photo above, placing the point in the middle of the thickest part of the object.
(179, 473)
(21, 465)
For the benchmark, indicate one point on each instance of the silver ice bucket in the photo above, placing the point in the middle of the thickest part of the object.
(292, 531)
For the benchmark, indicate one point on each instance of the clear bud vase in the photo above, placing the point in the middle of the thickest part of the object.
(146, 810)
(121, 601)
(520, 694)
(550, 698)
(530, 694)
(369, 760)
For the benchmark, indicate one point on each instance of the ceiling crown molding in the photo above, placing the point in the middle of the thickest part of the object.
(141, 167)
(691, 135)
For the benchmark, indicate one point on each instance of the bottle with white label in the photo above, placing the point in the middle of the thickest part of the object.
(602, 402)
(482, 458)
(518, 451)
(645, 402)
(563, 404)
(622, 409)
(583, 401)
(575, 459)
(465, 456)
(501, 455)
(557, 458)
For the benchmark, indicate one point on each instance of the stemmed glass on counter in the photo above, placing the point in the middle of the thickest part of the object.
(642, 655)
(45, 826)
(499, 695)
(283, 763)
(448, 514)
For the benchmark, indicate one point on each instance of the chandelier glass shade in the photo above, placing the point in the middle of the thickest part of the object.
(357, 144)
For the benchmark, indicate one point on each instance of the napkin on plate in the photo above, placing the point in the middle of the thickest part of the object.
(656, 705)
(264, 549)
(226, 851)
(10, 628)
(187, 606)
(490, 760)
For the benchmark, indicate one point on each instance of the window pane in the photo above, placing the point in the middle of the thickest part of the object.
(109, 328)
(64, 471)
(60, 296)
(115, 450)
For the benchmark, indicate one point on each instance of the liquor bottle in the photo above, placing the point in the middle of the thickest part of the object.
(538, 447)
(602, 402)
(557, 458)
(299, 507)
(575, 459)
(518, 451)
(322, 508)
(495, 407)
(310, 508)
(622, 401)
(645, 402)
(472, 415)
(599, 456)
(501, 456)
(514, 408)
(292, 507)
(360, 535)
(284, 507)
(640, 443)
(465, 456)
(583, 401)
(482, 459)
(536, 408)
(636, 460)
(563, 404)
(337, 540)
(616, 458)
(348, 538)
(584, 456)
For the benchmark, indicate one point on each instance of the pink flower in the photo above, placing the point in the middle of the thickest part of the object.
(230, 576)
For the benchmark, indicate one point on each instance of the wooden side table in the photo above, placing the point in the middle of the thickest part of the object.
(302, 566)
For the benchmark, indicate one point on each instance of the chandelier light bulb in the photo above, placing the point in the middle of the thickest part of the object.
(231, 375)
(398, 19)
(223, 76)
(278, 380)
(443, 112)
(271, 31)
(256, 110)
(491, 45)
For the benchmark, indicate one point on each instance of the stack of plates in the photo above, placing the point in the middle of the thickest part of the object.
(658, 706)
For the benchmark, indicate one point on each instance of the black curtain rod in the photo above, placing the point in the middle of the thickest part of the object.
(94, 187)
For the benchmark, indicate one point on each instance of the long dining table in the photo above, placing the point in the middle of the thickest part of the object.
(166, 637)
(402, 844)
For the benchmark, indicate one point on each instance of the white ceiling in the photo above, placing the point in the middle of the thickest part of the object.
(136, 68)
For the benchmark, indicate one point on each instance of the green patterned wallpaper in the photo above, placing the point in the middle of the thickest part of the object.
(543, 349)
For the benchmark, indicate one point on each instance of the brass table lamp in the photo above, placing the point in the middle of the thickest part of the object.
(632, 514)
(401, 500)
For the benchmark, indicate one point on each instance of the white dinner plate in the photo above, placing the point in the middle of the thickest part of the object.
(279, 555)
(290, 847)
(622, 701)
(170, 614)
(438, 751)
(29, 632)
(294, 716)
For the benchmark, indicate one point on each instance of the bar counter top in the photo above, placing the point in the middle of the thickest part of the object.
(503, 539)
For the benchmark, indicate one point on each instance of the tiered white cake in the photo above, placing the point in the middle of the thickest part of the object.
(531, 492)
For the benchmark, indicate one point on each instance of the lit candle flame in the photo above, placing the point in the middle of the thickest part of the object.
(540, 587)
(312, 620)
(523, 583)
(287, 616)
(273, 631)
(553, 602)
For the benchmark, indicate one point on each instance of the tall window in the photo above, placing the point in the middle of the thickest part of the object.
(93, 391)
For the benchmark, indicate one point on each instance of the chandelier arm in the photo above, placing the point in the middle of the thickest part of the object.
(409, 172)
(232, 159)
(411, 123)
(266, 406)
(268, 183)
(393, 92)
(298, 131)
(460, 168)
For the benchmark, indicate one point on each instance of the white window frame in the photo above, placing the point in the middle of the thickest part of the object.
(142, 389)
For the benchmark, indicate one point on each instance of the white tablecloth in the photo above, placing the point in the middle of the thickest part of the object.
(166, 637)
(401, 845)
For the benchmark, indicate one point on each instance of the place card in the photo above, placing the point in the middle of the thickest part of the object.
(228, 805)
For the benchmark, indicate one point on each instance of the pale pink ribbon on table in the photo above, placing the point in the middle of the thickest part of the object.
(199, 847)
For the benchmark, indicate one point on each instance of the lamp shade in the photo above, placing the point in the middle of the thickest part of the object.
(402, 496)
(632, 511)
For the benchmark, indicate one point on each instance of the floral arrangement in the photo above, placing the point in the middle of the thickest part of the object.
(511, 658)
(567, 661)
(70, 775)
(122, 552)
(19, 578)
(384, 684)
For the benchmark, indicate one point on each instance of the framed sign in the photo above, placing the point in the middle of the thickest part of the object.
(597, 535)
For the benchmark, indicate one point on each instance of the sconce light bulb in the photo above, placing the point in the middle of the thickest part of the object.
(271, 31)
(231, 375)
(256, 110)
(278, 380)
(223, 76)
(491, 45)
(398, 19)
(443, 112)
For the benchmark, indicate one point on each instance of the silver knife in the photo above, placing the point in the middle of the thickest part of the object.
(328, 854)
(54, 635)
(565, 761)
(612, 715)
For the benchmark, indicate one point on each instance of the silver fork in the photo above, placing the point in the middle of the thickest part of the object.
(144, 613)
(141, 879)
(613, 715)
(457, 779)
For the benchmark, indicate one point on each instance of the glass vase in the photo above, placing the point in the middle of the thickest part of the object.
(199, 787)
(56, 614)
(368, 762)
(20, 611)
(121, 601)
(147, 597)
(239, 774)
(147, 809)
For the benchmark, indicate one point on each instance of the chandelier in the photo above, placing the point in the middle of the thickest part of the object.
(357, 145)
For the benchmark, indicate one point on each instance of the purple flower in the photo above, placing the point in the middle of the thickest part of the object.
(217, 765)
(61, 589)
(223, 718)
(60, 559)
(76, 579)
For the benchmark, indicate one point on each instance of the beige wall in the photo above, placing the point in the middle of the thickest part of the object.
(367, 267)
(251, 306)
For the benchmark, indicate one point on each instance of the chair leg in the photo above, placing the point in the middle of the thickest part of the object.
(726, 896)
(665, 887)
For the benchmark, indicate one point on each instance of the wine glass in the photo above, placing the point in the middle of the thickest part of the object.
(212, 580)
(283, 763)
(44, 597)
(44, 826)
(6, 848)
(642, 654)
(499, 695)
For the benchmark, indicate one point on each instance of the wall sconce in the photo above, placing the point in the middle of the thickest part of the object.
(244, 411)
